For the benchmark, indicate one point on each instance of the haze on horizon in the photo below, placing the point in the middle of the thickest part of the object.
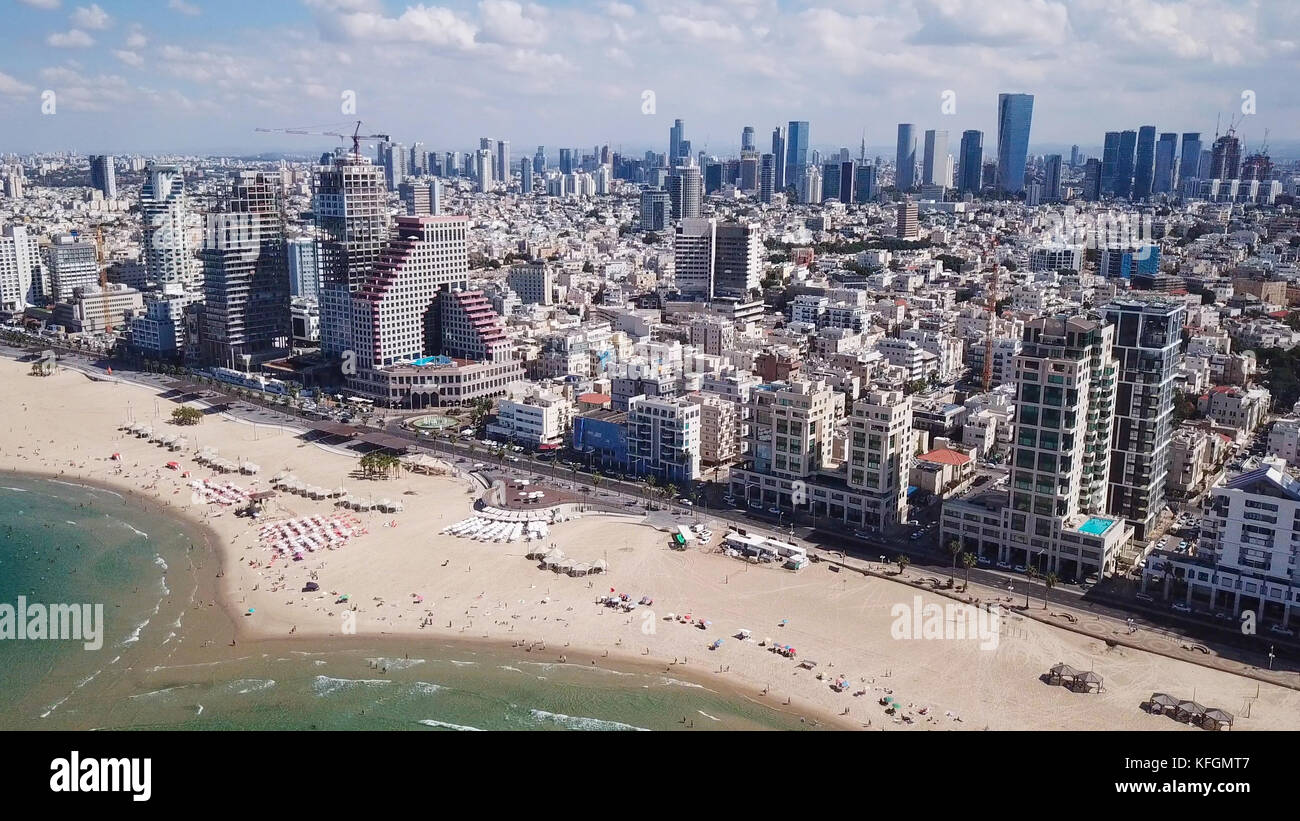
(198, 76)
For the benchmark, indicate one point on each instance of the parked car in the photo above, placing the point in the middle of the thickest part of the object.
(1004, 565)
(1147, 597)
(984, 561)
(729, 499)
(756, 505)
(1280, 630)
(775, 511)
(915, 535)
(1181, 607)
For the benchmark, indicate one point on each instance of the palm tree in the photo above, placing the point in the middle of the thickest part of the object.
(902, 562)
(954, 549)
(1049, 581)
(1032, 573)
(968, 560)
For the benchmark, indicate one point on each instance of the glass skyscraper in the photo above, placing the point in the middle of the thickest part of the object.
(778, 153)
(1124, 164)
(1015, 113)
(1189, 168)
(971, 157)
(1166, 153)
(1145, 163)
(1109, 157)
(796, 152)
(905, 159)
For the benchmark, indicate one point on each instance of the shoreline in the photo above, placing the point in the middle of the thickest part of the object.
(248, 633)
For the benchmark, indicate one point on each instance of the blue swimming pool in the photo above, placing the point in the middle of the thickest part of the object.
(431, 360)
(1096, 525)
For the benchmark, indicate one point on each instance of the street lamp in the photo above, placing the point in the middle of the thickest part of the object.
(1270, 656)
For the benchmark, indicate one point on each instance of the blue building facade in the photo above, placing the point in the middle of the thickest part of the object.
(1015, 115)
(602, 437)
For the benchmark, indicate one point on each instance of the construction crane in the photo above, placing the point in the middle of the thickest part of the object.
(356, 136)
(993, 320)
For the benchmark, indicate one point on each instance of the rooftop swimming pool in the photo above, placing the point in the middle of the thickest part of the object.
(431, 360)
(1096, 525)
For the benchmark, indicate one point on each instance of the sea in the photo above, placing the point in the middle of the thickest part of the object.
(169, 658)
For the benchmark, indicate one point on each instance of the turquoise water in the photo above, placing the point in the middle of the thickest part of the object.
(1096, 525)
(167, 662)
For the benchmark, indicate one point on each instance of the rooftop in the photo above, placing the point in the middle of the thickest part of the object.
(945, 456)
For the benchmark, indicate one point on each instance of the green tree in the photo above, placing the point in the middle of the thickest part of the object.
(968, 560)
(1049, 581)
(186, 415)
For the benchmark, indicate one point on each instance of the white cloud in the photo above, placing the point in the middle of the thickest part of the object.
(48, 5)
(13, 87)
(129, 57)
(504, 22)
(616, 9)
(183, 7)
(83, 92)
(362, 21)
(1036, 23)
(136, 38)
(703, 30)
(75, 38)
(91, 17)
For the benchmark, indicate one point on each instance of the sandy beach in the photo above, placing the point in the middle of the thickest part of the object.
(404, 578)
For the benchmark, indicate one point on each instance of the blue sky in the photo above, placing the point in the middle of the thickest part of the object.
(200, 75)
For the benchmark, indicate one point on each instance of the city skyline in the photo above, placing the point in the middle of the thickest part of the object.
(199, 77)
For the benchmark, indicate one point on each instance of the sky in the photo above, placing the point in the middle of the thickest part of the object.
(198, 76)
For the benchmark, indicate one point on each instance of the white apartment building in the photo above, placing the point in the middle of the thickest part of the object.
(73, 264)
(693, 247)
(168, 254)
(663, 438)
(947, 349)
(916, 362)
(1236, 407)
(1284, 440)
(21, 271)
(792, 426)
(531, 415)
(713, 334)
(720, 428)
(880, 456)
(1247, 553)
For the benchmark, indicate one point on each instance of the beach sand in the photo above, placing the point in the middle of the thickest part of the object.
(66, 425)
